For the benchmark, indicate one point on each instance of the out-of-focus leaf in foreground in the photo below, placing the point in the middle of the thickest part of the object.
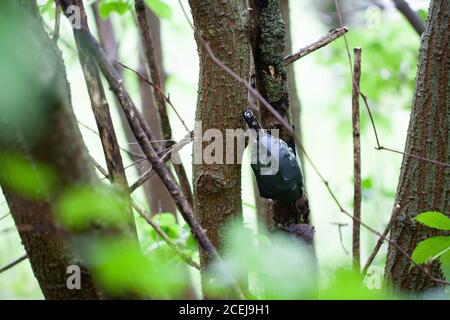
(28, 178)
(121, 268)
(94, 204)
(348, 285)
(279, 267)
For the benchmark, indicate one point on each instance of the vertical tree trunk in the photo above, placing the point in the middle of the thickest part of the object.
(424, 186)
(221, 101)
(262, 205)
(54, 141)
(268, 41)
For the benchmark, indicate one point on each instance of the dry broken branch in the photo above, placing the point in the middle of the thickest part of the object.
(322, 42)
(356, 161)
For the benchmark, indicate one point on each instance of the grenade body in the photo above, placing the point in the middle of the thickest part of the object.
(275, 165)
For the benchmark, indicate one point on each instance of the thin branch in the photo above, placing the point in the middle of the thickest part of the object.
(129, 152)
(378, 245)
(5, 216)
(356, 162)
(332, 35)
(149, 173)
(57, 20)
(444, 164)
(412, 17)
(99, 167)
(14, 263)
(341, 238)
(167, 98)
(372, 121)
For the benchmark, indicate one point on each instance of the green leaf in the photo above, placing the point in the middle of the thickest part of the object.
(367, 183)
(160, 8)
(168, 224)
(430, 249)
(423, 14)
(106, 8)
(445, 264)
(434, 219)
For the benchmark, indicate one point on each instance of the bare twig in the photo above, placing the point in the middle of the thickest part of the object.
(439, 163)
(133, 155)
(99, 167)
(57, 20)
(320, 43)
(167, 98)
(149, 173)
(356, 162)
(14, 263)
(412, 17)
(378, 245)
(341, 238)
(5, 216)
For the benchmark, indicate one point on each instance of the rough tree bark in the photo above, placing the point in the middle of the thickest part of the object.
(57, 144)
(262, 205)
(157, 196)
(268, 41)
(424, 186)
(221, 101)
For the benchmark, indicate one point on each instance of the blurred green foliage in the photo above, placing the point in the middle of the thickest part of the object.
(389, 64)
(97, 204)
(121, 268)
(159, 7)
(28, 178)
(106, 7)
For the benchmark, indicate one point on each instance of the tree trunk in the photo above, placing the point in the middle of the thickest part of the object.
(268, 41)
(53, 139)
(221, 101)
(424, 186)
